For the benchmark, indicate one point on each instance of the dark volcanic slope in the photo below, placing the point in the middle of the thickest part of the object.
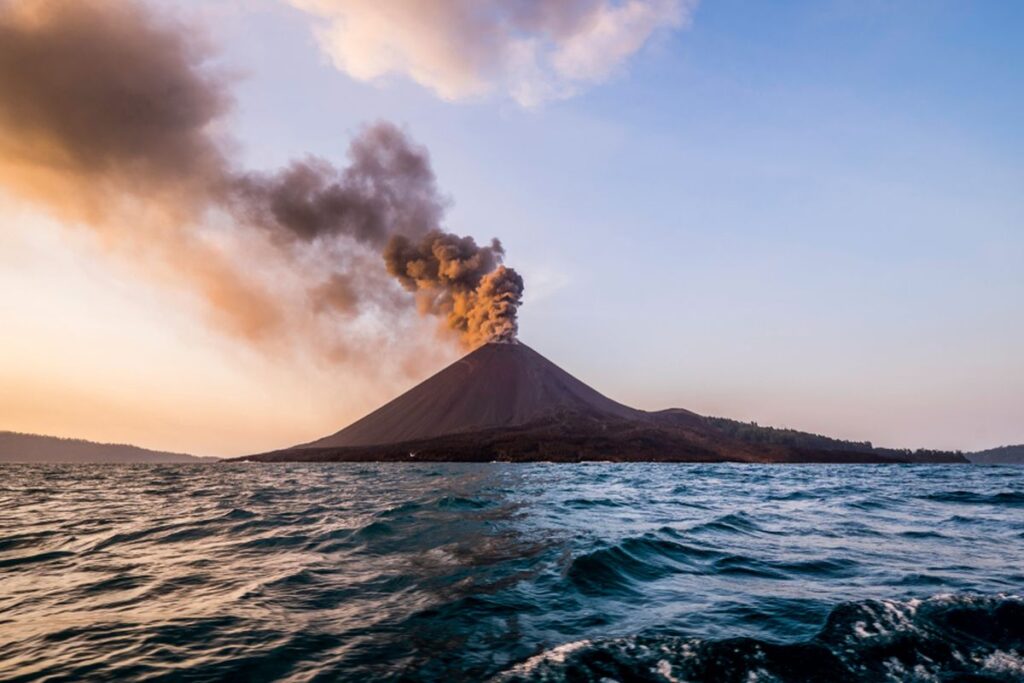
(496, 386)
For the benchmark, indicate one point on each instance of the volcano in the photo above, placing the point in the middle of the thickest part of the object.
(504, 401)
(500, 385)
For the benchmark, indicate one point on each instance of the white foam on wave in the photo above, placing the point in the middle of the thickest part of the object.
(664, 669)
(760, 676)
(894, 616)
(555, 655)
(1011, 662)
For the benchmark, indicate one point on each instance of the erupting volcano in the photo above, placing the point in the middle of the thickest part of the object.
(504, 401)
(498, 386)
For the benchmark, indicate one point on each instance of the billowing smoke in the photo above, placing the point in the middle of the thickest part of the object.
(465, 283)
(387, 198)
(109, 116)
(388, 188)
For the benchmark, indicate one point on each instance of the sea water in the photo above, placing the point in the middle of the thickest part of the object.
(536, 572)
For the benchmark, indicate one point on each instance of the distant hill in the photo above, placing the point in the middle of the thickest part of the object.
(1004, 455)
(753, 433)
(33, 448)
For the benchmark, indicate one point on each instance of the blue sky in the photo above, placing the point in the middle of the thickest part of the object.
(803, 213)
(807, 214)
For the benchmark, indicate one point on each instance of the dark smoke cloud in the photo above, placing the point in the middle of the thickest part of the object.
(387, 188)
(104, 91)
(108, 115)
(461, 281)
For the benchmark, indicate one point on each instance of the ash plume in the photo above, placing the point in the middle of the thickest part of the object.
(465, 283)
(100, 98)
(109, 118)
(387, 188)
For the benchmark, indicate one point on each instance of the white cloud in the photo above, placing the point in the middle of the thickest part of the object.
(531, 50)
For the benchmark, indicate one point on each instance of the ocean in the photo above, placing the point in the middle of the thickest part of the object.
(504, 572)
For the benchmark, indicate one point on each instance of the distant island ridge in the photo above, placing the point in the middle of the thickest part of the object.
(1003, 455)
(506, 402)
(16, 447)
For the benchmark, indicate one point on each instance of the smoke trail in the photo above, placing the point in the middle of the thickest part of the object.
(108, 115)
(387, 188)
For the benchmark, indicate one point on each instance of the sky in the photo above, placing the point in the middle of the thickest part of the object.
(804, 214)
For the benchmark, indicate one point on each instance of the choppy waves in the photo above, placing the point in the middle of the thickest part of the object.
(950, 637)
(533, 572)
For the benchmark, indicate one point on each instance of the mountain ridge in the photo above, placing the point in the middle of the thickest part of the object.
(21, 447)
(507, 402)
(1001, 455)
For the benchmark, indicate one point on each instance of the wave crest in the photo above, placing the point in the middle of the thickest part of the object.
(946, 637)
